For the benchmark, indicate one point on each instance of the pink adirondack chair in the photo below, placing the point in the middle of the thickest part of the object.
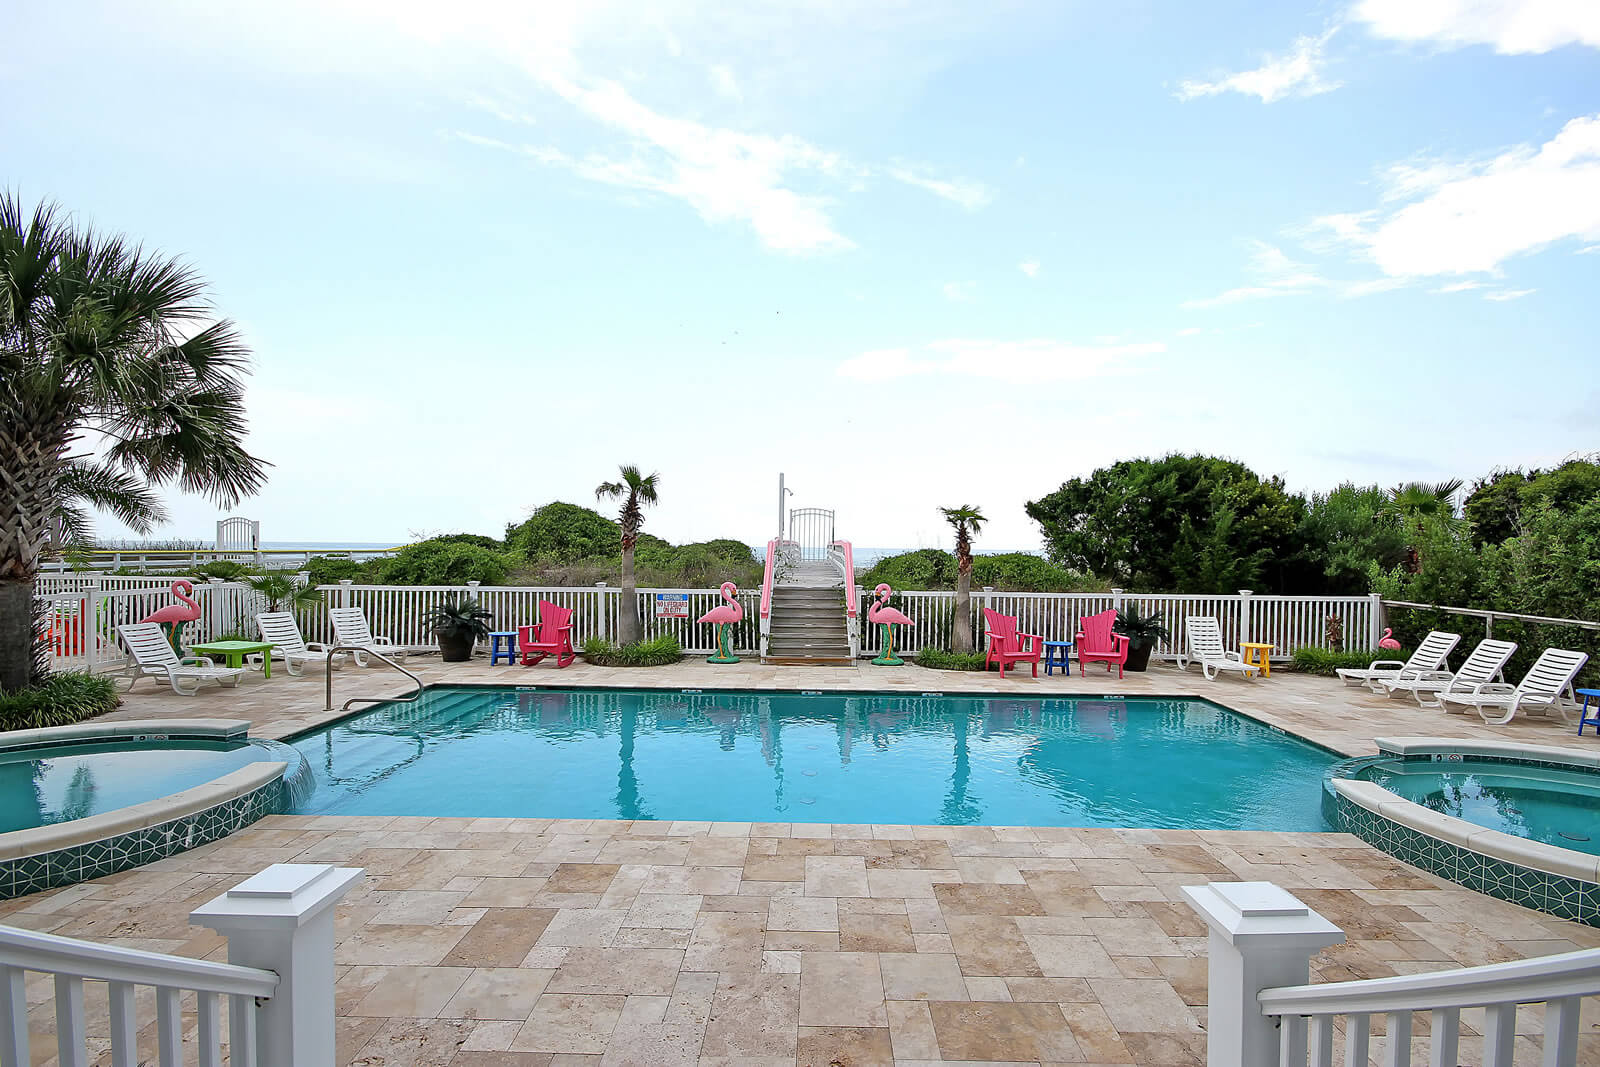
(1095, 641)
(551, 637)
(1008, 646)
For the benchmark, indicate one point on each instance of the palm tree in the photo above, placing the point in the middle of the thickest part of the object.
(1415, 506)
(114, 380)
(635, 491)
(282, 591)
(968, 522)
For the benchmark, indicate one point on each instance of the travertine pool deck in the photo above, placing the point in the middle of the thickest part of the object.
(531, 941)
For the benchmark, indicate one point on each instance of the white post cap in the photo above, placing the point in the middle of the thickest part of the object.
(1257, 912)
(284, 896)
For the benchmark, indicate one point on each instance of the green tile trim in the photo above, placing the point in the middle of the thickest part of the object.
(95, 859)
(1565, 898)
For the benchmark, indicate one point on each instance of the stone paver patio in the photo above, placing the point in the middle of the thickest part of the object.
(531, 941)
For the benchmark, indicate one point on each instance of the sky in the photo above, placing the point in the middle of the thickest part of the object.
(912, 253)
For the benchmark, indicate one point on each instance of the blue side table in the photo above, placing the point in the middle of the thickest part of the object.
(503, 643)
(1055, 655)
(1584, 717)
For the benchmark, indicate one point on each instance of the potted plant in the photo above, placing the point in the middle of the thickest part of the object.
(458, 622)
(1142, 632)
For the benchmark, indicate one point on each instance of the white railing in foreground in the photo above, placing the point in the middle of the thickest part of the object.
(1261, 1012)
(278, 985)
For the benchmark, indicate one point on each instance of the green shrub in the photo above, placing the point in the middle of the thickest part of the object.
(933, 568)
(441, 562)
(656, 652)
(226, 569)
(330, 570)
(1321, 661)
(59, 700)
(940, 660)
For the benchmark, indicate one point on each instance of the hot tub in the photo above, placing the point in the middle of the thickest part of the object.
(1519, 822)
(78, 802)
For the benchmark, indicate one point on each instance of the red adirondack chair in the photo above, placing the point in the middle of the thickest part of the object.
(552, 636)
(1008, 646)
(1096, 641)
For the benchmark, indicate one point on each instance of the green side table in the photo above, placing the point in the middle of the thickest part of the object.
(234, 652)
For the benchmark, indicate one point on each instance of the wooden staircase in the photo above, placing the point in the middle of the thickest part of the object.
(808, 618)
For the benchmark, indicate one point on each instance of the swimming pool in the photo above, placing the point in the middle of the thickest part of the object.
(1555, 805)
(814, 757)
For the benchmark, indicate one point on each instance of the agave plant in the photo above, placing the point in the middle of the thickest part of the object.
(458, 622)
(1142, 631)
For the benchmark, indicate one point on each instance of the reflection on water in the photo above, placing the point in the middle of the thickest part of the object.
(817, 758)
(1552, 805)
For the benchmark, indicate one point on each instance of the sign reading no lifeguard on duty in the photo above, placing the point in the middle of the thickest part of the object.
(672, 605)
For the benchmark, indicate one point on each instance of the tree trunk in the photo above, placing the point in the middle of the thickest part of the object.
(18, 635)
(629, 629)
(961, 629)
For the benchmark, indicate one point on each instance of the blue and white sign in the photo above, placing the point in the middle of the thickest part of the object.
(672, 605)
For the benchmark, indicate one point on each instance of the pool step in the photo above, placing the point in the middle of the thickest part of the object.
(808, 624)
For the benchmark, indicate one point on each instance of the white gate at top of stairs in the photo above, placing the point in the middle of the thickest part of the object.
(812, 530)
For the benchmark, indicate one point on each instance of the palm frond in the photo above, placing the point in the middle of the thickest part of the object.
(110, 489)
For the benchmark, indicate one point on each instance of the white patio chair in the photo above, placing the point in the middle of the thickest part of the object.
(283, 632)
(152, 655)
(1485, 664)
(1547, 685)
(1205, 648)
(1430, 657)
(350, 629)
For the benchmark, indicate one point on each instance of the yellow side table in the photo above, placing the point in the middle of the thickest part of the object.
(1255, 654)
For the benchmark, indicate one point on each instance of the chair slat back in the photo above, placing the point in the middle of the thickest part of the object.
(1002, 629)
(1205, 637)
(279, 628)
(1433, 651)
(350, 626)
(1552, 672)
(1096, 631)
(147, 642)
(1486, 661)
(552, 617)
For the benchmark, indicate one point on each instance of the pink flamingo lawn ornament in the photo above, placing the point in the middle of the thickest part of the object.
(172, 618)
(883, 615)
(1388, 643)
(725, 616)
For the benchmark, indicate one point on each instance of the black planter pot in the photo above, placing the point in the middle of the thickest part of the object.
(1138, 657)
(456, 649)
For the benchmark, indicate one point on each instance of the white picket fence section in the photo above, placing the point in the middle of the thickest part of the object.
(1288, 622)
(84, 610)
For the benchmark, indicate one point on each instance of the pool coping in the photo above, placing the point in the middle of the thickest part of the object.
(1531, 873)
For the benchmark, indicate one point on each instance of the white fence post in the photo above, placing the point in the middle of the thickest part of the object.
(89, 624)
(1244, 616)
(1116, 600)
(344, 591)
(214, 609)
(1261, 938)
(282, 920)
(1375, 620)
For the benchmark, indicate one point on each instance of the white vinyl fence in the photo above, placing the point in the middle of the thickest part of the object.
(83, 611)
(1287, 622)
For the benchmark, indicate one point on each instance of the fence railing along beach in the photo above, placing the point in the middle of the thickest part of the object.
(83, 610)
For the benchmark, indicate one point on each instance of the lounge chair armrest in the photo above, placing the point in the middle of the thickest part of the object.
(1426, 676)
(1488, 688)
(317, 646)
(194, 661)
(1375, 664)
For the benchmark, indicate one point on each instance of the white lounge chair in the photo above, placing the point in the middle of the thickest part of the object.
(1430, 657)
(1205, 648)
(152, 655)
(350, 629)
(1485, 664)
(1547, 685)
(280, 628)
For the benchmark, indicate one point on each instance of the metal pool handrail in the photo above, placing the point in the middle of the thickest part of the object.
(327, 702)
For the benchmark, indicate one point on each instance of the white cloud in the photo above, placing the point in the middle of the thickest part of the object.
(1511, 27)
(969, 194)
(1030, 267)
(1190, 331)
(1465, 218)
(1298, 73)
(958, 291)
(723, 81)
(1458, 287)
(1275, 275)
(1012, 361)
(1508, 294)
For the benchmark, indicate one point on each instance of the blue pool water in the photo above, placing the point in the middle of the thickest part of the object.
(1549, 804)
(41, 786)
(752, 757)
